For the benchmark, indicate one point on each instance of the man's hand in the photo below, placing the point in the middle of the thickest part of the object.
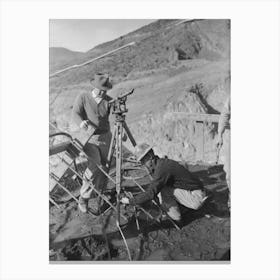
(124, 200)
(84, 124)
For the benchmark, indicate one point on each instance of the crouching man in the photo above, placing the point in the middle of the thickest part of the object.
(171, 182)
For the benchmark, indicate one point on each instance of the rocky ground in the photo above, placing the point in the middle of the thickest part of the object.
(204, 234)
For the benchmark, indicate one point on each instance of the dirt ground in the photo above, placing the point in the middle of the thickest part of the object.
(163, 81)
(204, 234)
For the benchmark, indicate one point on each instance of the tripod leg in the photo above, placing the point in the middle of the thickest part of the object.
(111, 149)
(100, 201)
(118, 165)
(119, 179)
(129, 134)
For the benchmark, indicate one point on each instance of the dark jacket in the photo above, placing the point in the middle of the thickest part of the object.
(86, 108)
(168, 173)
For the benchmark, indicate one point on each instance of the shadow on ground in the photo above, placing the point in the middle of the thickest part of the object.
(204, 234)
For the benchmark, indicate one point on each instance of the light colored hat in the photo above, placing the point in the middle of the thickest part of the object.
(141, 150)
(101, 81)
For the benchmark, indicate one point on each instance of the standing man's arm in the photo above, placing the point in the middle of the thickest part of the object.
(77, 112)
(223, 121)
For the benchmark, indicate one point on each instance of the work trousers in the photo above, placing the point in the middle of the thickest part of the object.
(169, 199)
(97, 150)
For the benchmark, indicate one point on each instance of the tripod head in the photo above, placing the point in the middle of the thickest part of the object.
(119, 104)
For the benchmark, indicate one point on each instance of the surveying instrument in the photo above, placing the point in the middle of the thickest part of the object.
(120, 127)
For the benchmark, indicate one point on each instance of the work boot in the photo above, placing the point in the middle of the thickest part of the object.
(83, 204)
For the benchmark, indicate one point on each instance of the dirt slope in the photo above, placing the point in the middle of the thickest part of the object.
(157, 45)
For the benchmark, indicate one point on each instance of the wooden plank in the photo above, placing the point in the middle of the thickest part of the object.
(200, 143)
(87, 225)
(211, 118)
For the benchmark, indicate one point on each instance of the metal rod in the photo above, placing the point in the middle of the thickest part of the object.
(105, 236)
(54, 203)
(203, 128)
(129, 194)
(136, 218)
(64, 188)
(56, 128)
(154, 202)
(106, 174)
(147, 213)
(94, 189)
(118, 166)
(124, 240)
(155, 219)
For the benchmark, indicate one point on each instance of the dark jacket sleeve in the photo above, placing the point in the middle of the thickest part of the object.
(161, 177)
(77, 111)
(108, 98)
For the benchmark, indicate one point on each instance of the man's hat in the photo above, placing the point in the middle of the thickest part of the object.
(101, 81)
(142, 150)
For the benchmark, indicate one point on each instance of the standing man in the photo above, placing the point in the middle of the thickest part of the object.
(223, 141)
(173, 182)
(91, 113)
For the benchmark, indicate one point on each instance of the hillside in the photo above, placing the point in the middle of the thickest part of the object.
(167, 61)
(60, 57)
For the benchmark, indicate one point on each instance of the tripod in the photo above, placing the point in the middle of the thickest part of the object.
(119, 110)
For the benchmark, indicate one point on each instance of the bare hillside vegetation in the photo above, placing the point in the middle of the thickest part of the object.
(167, 62)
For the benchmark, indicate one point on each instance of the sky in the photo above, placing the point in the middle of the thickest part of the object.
(84, 34)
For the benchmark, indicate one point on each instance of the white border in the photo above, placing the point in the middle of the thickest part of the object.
(24, 138)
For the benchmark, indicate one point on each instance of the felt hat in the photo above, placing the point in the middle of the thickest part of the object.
(142, 150)
(101, 81)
